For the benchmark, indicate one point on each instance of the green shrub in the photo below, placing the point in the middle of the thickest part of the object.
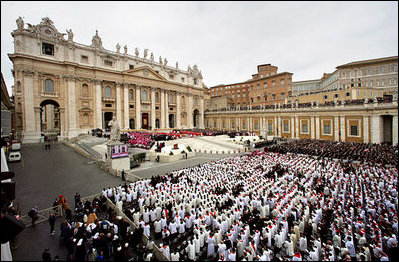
(171, 153)
(183, 152)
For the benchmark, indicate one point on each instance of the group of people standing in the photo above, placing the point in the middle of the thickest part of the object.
(268, 206)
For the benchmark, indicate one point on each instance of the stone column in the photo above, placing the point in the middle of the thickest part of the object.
(190, 115)
(118, 105)
(72, 106)
(166, 109)
(201, 118)
(292, 127)
(162, 96)
(317, 127)
(29, 133)
(178, 114)
(297, 127)
(63, 132)
(365, 128)
(37, 117)
(138, 107)
(279, 126)
(98, 105)
(126, 107)
(153, 108)
(336, 128)
(377, 128)
(312, 128)
(342, 128)
(395, 129)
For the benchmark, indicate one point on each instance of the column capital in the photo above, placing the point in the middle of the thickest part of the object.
(28, 72)
(70, 77)
(97, 81)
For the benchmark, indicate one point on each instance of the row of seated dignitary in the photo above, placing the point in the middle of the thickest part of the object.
(268, 206)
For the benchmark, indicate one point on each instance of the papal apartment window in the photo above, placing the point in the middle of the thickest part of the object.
(84, 59)
(48, 86)
(48, 49)
(107, 92)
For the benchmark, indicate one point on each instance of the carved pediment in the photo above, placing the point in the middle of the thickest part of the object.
(146, 72)
(45, 29)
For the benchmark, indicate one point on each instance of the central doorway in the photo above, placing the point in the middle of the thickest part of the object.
(107, 117)
(50, 118)
(144, 121)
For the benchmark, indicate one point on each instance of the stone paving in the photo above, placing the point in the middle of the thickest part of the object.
(44, 174)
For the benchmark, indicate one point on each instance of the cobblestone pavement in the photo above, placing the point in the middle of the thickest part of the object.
(44, 174)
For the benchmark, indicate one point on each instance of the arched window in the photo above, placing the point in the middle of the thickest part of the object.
(156, 97)
(131, 95)
(144, 95)
(108, 92)
(48, 86)
(85, 90)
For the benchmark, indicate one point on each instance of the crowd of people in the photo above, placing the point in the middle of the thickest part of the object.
(94, 232)
(373, 153)
(268, 206)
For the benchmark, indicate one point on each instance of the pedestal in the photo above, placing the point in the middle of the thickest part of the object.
(117, 162)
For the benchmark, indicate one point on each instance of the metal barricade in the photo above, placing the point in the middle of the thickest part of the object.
(159, 255)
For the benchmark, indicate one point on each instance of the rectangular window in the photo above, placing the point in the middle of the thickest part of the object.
(182, 79)
(282, 81)
(84, 59)
(380, 70)
(243, 125)
(326, 127)
(256, 126)
(48, 49)
(286, 126)
(354, 130)
(305, 128)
